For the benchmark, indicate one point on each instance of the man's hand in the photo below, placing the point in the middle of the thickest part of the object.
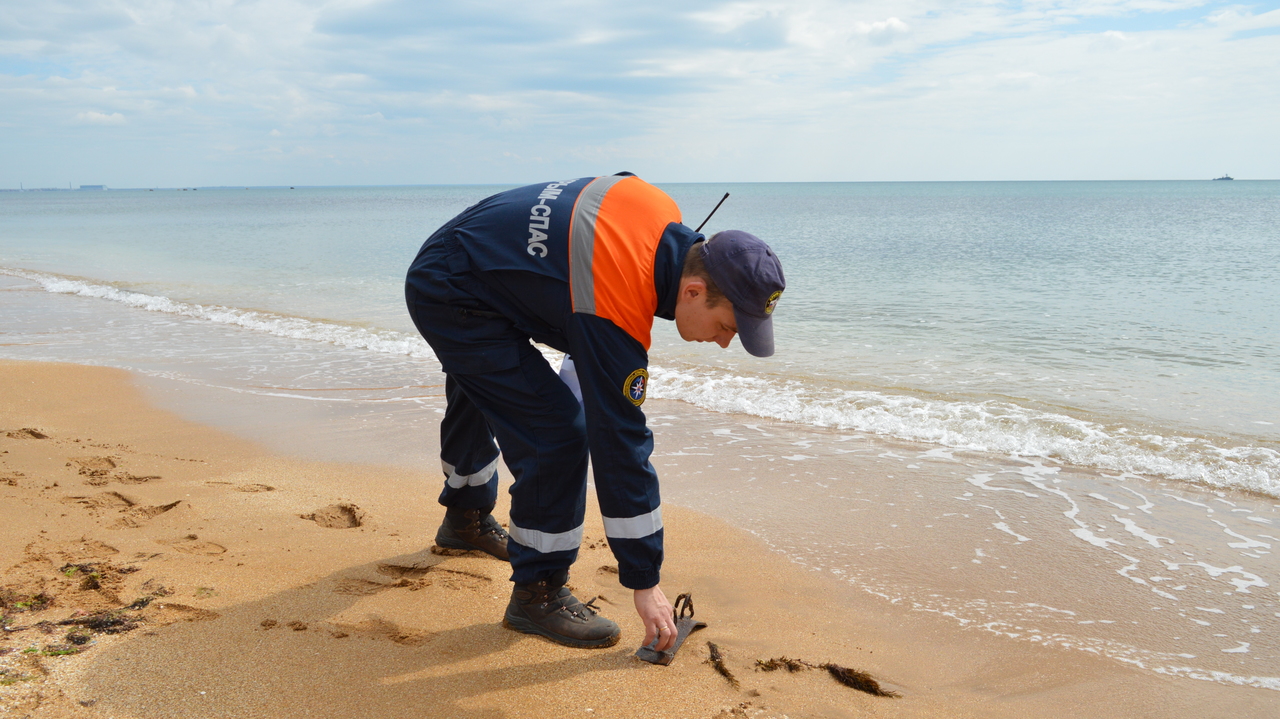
(658, 617)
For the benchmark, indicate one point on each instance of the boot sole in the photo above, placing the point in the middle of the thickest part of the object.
(459, 544)
(527, 627)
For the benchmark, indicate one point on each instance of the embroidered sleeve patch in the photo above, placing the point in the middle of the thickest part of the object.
(636, 385)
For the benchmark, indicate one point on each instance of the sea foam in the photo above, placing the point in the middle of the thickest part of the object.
(990, 426)
(343, 335)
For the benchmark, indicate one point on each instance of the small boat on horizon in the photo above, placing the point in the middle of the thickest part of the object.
(1224, 177)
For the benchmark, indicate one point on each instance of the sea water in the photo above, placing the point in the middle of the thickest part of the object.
(1125, 325)
(1096, 359)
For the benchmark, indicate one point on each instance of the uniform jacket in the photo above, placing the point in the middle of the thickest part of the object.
(584, 266)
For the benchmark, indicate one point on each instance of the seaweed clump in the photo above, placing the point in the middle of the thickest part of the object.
(717, 661)
(852, 678)
(103, 623)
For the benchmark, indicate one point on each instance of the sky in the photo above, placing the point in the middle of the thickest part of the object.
(155, 93)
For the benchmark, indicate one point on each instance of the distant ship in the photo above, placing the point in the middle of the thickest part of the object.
(1224, 177)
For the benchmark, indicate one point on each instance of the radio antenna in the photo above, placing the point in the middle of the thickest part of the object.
(713, 211)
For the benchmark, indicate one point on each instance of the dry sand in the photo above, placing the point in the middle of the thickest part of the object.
(150, 567)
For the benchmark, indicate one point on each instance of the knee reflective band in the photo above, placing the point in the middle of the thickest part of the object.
(633, 527)
(458, 481)
(546, 542)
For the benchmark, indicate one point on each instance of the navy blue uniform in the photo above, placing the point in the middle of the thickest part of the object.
(582, 266)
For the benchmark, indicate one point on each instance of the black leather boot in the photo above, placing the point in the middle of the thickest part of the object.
(473, 529)
(549, 609)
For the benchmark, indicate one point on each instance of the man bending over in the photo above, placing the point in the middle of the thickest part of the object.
(583, 266)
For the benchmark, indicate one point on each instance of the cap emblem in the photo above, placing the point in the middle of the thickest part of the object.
(772, 303)
(636, 385)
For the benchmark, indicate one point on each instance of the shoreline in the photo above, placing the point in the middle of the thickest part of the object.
(1118, 434)
(233, 551)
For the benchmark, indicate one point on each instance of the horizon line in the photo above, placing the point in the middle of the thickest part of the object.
(187, 188)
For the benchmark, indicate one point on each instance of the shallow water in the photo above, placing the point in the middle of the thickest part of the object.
(1153, 573)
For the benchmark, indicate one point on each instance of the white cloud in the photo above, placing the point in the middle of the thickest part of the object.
(883, 30)
(1239, 18)
(806, 89)
(93, 117)
(728, 17)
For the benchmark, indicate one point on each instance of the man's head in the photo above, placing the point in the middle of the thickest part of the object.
(730, 285)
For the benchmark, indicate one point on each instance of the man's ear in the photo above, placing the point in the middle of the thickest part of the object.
(692, 287)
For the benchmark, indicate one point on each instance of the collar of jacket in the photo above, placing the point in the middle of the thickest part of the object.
(668, 265)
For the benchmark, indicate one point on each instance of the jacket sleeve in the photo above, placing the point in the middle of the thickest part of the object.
(612, 370)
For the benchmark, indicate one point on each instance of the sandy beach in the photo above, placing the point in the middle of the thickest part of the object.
(152, 567)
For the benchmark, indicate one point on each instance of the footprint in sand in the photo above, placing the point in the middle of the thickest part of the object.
(103, 501)
(93, 466)
(98, 471)
(191, 544)
(126, 478)
(26, 433)
(337, 516)
(85, 549)
(457, 579)
(362, 587)
(417, 570)
(66, 576)
(138, 516)
(134, 515)
(377, 628)
(165, 613)
(253, 488)
(419, 576)
(120, 478)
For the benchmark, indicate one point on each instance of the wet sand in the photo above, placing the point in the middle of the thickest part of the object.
(152, 567)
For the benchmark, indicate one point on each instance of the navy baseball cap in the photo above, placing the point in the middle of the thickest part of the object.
(750, 275)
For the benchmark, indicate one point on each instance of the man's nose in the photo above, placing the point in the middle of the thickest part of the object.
(724, 339)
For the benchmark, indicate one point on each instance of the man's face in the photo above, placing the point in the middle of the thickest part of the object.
(697, 322)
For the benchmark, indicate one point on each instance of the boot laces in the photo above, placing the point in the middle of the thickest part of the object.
(490, 526)
(580, 610)
(585, 610)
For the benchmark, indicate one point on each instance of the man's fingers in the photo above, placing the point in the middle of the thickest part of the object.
(661, 636)
(658, 617)
(666, 637)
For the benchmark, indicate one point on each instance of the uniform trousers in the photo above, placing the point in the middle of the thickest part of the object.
(498, 386)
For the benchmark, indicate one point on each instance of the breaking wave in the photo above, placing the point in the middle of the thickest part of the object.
(990, 426)
(350, 336)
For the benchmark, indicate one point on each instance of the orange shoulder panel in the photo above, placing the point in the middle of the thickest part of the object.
(632, 218)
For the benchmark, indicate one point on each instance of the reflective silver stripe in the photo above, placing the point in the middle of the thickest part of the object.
(458, 481)
(582, 243)
(633, 527)
(569, 375)
(546, 542)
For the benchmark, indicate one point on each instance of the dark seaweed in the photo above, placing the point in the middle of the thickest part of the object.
(855, 679)
(791, 665)
(103, 622)
(852, 678)
(717, 661)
